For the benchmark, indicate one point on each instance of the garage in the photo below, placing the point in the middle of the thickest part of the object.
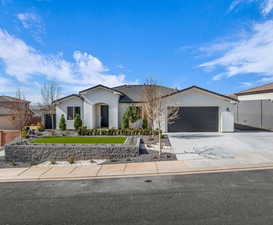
(196, 119)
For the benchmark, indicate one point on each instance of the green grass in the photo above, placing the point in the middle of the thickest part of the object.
(79, 140)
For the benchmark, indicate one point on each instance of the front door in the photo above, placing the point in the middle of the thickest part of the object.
(104, 115)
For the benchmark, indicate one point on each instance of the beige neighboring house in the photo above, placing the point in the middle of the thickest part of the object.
(263, 92)
(7, 114)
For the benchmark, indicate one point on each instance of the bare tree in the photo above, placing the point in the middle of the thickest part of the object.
(50, 92)
(155, 110)
(19, 94)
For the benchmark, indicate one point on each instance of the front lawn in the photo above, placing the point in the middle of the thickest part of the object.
(79, 140)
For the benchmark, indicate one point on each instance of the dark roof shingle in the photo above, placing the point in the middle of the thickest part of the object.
(135, 93)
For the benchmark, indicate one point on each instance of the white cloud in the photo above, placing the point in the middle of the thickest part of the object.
(33, 23)
(6, 86)
(266, 6)
(247, 84)
(27, 19)
(250, 55)
(27, 64)
(235, 3)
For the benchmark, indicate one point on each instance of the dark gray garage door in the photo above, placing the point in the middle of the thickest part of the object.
(195, 119)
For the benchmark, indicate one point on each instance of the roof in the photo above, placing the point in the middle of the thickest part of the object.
(101, 86)
(134, 93)
(202, 89)
(68, 96)
(12, 99)
(8, 109)
(266, 88)
(233, 96)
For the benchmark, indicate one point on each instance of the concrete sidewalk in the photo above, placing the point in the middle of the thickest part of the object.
(115, 170)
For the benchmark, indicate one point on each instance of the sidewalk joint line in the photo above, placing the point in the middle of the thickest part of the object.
(100, 167)
(73, 170)
(19, 174)
(45, 172)
(125, 167)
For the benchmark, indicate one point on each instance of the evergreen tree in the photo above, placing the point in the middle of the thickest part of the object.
(62, 124)
(77, 122)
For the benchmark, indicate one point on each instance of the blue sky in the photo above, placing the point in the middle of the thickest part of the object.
(224, 46)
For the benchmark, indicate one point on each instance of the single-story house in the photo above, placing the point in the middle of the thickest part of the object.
(9, 112)
(101, 106)
(263, 92)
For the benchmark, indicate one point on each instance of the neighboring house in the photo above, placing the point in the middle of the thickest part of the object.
(255, 108)
(9, 113)
(263, 92)
(43, 113)
(101, 106)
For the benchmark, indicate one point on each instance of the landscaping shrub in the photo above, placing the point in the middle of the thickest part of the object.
(126, 132)
(71, 159)
(77, 122)
(62, 124)
(53, 162)
(131, 115)
(145, 124)
(41, 128)
(24, 133)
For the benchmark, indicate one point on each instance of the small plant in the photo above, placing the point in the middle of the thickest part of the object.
(53, 162)
(77, 122)
(33, 163)
(41, 128)
(62, 124)
(24, 133)
(13, 163)
(92, 161)
(71, 159)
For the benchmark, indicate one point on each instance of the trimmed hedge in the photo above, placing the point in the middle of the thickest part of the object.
(126, 132)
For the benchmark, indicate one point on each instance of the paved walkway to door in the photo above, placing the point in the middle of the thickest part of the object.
(208, 150)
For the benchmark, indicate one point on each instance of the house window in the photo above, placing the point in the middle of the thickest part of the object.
(77, 110)
(72, 111)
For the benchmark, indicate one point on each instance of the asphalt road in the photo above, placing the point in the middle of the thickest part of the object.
(220, 199)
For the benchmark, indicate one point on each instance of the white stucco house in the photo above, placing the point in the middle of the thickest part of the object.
(101, 106)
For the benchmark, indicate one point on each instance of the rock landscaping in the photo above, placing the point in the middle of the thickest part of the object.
(28, 152)
(136, 149)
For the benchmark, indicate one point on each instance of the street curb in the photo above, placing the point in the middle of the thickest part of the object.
(186, 172)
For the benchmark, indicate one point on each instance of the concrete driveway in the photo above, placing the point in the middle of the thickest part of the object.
(229, 149)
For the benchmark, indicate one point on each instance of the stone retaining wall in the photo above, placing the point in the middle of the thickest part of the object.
(24, 152)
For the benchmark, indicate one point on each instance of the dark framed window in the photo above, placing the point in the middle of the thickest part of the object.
(77, 111)
(72, 111)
